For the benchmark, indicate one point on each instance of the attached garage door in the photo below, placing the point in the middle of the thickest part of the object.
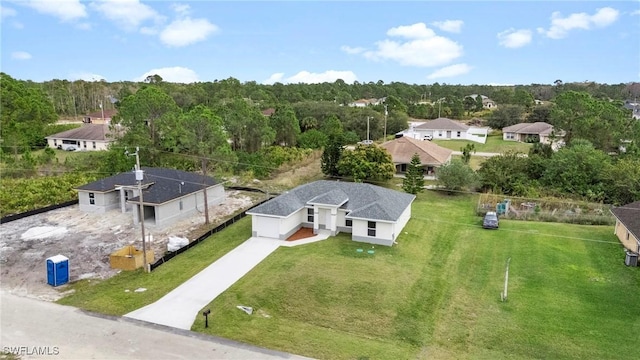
(266, 226)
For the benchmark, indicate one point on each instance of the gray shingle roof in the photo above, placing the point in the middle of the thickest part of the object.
(91, 132)
(163, 184)
(403, 148)
(443, 124)
(333, 197)
(364, 200)
(629, 215)
(539, 128)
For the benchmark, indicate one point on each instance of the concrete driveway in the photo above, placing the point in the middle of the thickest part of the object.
(29, 327)
(180, 307)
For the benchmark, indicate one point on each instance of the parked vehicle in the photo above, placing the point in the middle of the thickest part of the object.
(428, 137)
(490, 220)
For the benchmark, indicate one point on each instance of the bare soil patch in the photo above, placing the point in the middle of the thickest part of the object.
(87, 240)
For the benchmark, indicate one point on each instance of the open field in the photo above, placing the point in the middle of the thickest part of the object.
(434, 295)
(494, 144)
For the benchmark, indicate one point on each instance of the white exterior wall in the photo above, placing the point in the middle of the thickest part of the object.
(291, 224)
(170, 211)
(100, 144)
(402, 222)
(383, 232)
(103, 201)
(478, 134)
(264, 226)
(506, 135)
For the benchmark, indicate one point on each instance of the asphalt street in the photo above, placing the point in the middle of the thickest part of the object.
(43, 330)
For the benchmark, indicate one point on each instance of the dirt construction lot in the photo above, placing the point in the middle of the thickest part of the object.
(87, 240)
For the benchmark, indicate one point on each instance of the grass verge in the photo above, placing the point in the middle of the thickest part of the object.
(494, 144)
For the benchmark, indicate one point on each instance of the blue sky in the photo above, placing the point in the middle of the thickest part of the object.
(454, 42)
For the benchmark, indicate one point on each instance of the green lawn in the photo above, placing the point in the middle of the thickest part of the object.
(494, 144)
(436, 294)
(109, 296)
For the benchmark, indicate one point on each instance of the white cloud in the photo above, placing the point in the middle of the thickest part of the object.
(65, 10)
(422, 47)
(176, 74)
(6, 12)
(454, 26)
(636, 12)
(21, 55)
(86, 76)
(513, 38)
(450, 71)
(274, 78)
(415, 31)
(181, 9)
(128, 14)
(561, 26)
(313, 78)
(187, 31)
(351, 50)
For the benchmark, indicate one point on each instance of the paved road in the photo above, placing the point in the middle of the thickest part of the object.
(180, 307)
(73, 334)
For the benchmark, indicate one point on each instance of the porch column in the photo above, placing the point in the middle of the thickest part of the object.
(316, 222)
(123, 204)
(334, 221)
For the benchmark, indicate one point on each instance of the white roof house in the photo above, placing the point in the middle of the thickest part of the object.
(372, 214)
(447, 129)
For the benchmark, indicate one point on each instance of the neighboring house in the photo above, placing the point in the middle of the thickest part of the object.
(168, 195)
(100, 117)
(367, 102)
(372, 214)
(87, 137)
(486, 102)
(447, 129)
(628, 225)
(431, 155)
(529, 132)
(634, 106)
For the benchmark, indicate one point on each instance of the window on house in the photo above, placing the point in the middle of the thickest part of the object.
(627, 235)
(94, 144)
(371, 228)
(55, 142)
(310, 215)
(92, 199)
(440, 133)
(348, 222)
(180, 204)
(458, 134)
(84, 144)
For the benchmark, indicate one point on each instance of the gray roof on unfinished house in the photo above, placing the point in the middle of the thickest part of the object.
(161, 184)
(540, 128)
(363, 200)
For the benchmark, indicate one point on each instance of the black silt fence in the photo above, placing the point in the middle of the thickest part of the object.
(23, 215)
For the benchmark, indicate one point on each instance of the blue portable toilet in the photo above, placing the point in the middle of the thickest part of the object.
(57, 270)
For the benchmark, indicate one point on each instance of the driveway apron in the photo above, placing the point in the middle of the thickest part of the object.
(180, 307)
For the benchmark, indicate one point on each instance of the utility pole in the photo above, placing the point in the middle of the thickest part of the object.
(139, 177)
(367, 128)
(385, 123)
(102, 109)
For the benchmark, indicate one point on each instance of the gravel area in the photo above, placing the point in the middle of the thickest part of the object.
(87, 240)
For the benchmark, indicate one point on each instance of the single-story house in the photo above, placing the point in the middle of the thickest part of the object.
(367, 102)
(372, 214)
(447, 129)
(87, 137)
(486, 102)
(530, 132)
(431, 155)
(168, 195)
(100, 117)
(634, 106)
(628, 225)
